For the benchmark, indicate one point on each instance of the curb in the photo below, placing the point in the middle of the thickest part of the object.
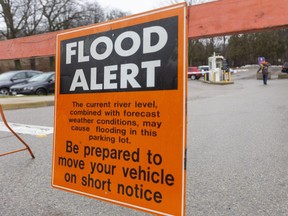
(219, 83)
(283, 76)
(13, 106)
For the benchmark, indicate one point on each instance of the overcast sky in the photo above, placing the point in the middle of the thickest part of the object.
(134, 6)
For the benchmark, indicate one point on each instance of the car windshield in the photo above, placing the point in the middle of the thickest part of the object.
(40, 78)
(6, 76)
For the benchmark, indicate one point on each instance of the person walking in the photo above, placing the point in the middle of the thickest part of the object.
(264, 68)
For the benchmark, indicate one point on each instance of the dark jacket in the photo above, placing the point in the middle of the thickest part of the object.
(264, 67)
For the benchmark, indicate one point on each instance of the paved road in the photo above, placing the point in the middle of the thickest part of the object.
(238, 148)
(237, 156)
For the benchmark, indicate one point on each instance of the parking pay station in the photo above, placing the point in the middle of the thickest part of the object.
(218, 69)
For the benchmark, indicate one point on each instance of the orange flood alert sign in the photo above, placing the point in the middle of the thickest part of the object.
(120, 111)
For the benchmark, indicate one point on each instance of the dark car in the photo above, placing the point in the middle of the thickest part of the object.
(285, 67)
(11, 78)
(42, 84)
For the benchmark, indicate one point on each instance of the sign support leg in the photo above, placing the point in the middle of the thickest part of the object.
(17, 136)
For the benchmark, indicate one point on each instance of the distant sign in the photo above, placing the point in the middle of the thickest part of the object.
(120, 124)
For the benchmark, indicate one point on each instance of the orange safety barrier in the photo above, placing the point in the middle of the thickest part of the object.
(17, 136)
(226, 17)
(217, 18)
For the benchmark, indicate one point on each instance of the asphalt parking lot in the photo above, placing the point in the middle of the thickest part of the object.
(237, 156)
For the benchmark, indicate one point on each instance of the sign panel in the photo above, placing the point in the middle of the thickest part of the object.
(120, 113)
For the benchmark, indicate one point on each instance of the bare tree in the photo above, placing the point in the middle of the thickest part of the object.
(59, 14)
(8, 12)
(32, 17)
(91, 13)
(11, 29)
(115, 13)
(21, 18)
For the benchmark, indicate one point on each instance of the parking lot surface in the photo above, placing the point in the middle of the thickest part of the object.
(237, 159)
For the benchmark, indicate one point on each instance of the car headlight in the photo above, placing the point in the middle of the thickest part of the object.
(28, 88)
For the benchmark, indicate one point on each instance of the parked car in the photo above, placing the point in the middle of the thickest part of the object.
(42, 84)
(285, 67)
(11, 78)
(194, 73)
(203, 68)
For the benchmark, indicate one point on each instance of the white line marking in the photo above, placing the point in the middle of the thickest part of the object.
(27, 129)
